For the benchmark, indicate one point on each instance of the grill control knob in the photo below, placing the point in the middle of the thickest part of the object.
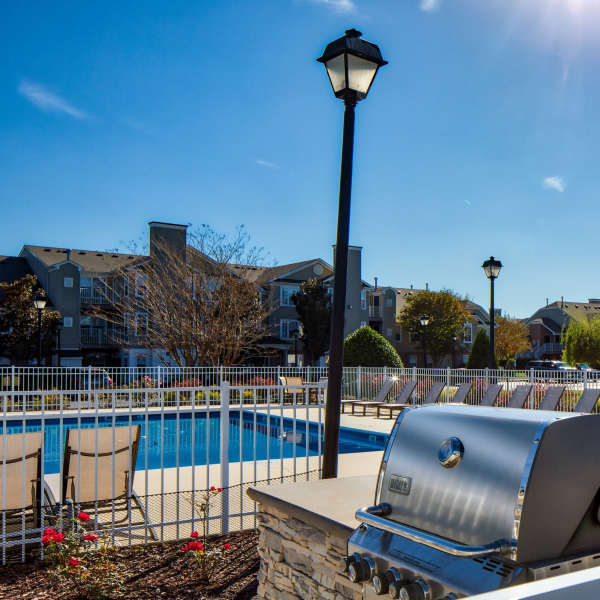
(360, 568)
(418, 590)
(396, 582)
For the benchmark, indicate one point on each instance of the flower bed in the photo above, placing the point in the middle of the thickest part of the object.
(152, 571)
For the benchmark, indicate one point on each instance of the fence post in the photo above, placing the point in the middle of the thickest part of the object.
(358, 383)
(89, 398)
(447, 384)
(584, 380)
(224, 456)
(385, 372)
(414, 373)
(12, 387)
(487, 377)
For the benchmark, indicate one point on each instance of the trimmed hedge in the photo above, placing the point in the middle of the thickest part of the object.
(367, 348)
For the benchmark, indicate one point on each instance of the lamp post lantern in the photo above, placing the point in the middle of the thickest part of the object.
(424, 321)
(40, 304)
(491, 269)
(351, 65)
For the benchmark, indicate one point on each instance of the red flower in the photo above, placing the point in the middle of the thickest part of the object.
(49, 531)
(193, 547)
(212, 488)
(83, 517)
(46, 539)
(73, 562)
(194, 535)
(91, 537)
(58, 537)
(227, 546)
(219, 490)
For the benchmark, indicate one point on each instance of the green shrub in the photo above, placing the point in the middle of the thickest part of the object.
(367, 348)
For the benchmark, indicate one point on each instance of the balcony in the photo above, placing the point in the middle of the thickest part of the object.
(89, 295)
(551, 348)
(375, 312)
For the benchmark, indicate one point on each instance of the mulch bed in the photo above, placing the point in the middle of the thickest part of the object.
(154, 571)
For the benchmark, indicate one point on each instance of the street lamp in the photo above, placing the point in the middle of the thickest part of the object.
(424, 321)
(351, 65)
(40, 304)
(491, 269)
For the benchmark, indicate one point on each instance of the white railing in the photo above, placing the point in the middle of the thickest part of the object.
(181, 441)
(358, 382)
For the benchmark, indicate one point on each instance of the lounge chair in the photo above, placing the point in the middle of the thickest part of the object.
(489, 398)
(20, 467)
(461, 393)
(401, 401)
(519, 396)
(552, 397)
(431, 398)
(588, 400)
(384, 390)
(98, 472)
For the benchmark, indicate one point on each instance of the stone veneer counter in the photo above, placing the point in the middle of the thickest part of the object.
(303, 530)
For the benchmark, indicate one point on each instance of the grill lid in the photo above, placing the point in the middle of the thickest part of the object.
(476, 475)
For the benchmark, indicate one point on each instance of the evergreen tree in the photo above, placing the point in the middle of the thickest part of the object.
(480, 352)
(582, 342)
(313, 305)
(367, 348)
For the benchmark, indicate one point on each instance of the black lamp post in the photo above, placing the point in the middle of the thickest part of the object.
(424, 321)
(40, 304)
(351, 64)
(492, 268)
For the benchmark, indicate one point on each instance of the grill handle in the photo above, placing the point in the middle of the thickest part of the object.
(371, 516)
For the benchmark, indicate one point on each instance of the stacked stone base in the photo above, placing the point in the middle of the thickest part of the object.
(300, 561)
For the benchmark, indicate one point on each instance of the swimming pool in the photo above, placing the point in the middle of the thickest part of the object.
(274, 438)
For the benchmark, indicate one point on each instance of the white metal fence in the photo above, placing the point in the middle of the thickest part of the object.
(77, 383)
(139, 461)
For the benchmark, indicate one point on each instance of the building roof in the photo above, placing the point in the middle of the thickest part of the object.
(89, 260)
(549, 324)
(263, 275)
(13, 268)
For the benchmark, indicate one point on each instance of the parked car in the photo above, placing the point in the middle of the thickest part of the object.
(562, 369)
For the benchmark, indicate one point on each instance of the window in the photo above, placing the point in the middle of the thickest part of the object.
(388, 332)
(141, 323)
(140, 285)
(285, 294)
(363, 323)
(399, 337)
(389, 302)
(468, 333)
(287, 327)
(67, 321)
(363, 299)
(68, 282)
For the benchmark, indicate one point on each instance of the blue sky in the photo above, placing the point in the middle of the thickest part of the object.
(480, 137)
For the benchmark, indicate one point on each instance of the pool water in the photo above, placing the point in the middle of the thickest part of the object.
(274, 438)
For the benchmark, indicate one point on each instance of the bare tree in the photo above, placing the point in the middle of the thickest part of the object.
(194, 305)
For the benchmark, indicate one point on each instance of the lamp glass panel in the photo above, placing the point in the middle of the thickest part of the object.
(39, 303)
(495, 270)
(360, 73)
(337, 72)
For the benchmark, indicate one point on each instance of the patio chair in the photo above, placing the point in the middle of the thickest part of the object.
(519, 396)
(384, 390)
(588, 400)
(552, 397)
(98, 474)
(461, 393)
(21, 469)
(401, 401)
(491, 394)
(294, 389)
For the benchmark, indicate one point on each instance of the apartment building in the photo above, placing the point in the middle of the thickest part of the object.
(78, 282)
(547, 323)
(384, 307)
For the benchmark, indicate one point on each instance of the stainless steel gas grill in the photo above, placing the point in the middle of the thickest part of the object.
(470, 499)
